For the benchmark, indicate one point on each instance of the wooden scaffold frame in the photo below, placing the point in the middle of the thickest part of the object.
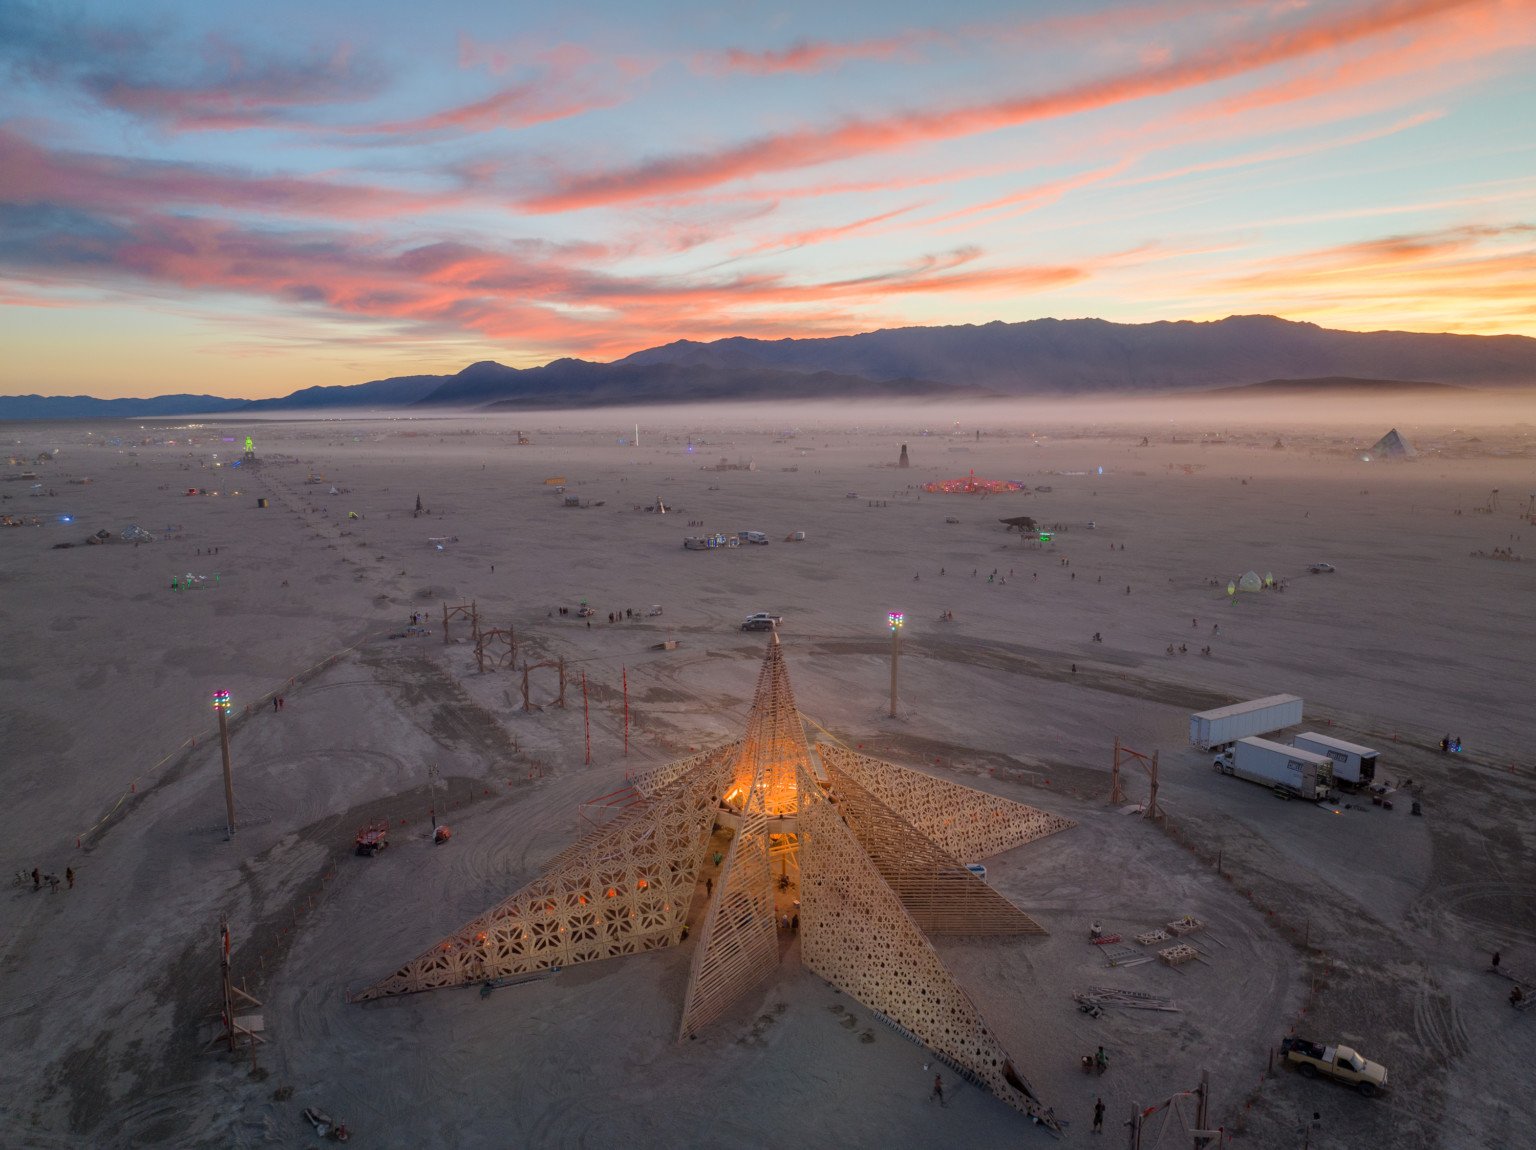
(235, 1029)
(462, 611)
(559, 665)
(497, 647)
(1125, 756)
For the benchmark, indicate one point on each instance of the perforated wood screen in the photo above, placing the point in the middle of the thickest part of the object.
(775, 743)
(627, 891)
(856, 934)
(738, 947)
(937, 891)
(969, 824)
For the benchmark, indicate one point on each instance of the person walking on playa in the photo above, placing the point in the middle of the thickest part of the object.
(1098, 1116)
(37, 879)
(938, 1089)
(69, 876)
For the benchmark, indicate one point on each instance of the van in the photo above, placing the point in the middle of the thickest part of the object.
(756, 537)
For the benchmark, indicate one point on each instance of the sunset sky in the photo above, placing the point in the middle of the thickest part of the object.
(249, 199)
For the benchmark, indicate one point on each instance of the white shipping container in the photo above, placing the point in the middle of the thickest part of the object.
(1352, 763)
(1209, 730)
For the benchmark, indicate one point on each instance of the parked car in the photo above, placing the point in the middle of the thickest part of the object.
(1322, 568)
(755, 624)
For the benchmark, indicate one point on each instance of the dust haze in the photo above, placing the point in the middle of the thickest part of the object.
(1025, 659)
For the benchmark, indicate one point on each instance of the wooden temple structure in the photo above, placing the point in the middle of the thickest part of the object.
(877, 854)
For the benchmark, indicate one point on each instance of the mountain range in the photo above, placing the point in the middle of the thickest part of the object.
(1044, 357)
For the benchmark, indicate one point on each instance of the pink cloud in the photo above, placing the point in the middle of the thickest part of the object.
(234, 92)
(813, 146)
(544, 295)
(519, 106)
(805, 55)
(812, 236)
(30, 173)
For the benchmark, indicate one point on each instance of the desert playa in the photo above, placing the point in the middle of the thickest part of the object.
(1353, 921)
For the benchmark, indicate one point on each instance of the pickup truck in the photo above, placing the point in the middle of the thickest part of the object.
(1336, 1062)
(761, 621)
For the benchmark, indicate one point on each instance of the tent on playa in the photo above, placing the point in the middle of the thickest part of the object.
(1392, 445)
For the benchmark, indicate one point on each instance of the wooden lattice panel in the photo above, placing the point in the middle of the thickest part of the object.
(937, 891)
(855, 933)
(775, 740)
(969, 824)
(626, 890)
(738, 947)
(649, 783)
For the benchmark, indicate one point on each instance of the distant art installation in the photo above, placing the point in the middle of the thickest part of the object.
(970, 485)
(876, 853)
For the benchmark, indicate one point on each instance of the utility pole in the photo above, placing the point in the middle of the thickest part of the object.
(896, 619)
(432, 796)
(221, 705)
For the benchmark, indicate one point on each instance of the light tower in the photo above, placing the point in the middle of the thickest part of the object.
(896, 619)
(221, 705)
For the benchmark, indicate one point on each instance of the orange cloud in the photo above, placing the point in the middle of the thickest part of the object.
(1476, 278)
(812, 146)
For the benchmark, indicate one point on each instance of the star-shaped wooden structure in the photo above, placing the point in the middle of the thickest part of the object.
(877, 853)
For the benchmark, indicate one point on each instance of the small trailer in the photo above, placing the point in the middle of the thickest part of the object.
(1213, 730)
(1352, 763)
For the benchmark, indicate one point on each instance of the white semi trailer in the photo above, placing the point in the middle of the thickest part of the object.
(1352, 763)
(1212, 730)
(1289, 770)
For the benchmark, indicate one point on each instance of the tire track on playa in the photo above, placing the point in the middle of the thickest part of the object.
(1437, 1023)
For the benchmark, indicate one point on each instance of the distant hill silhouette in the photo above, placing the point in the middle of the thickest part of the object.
(1047, 357)
(1080, 356)
(566, 381)
(89, 407)
(1336, 385)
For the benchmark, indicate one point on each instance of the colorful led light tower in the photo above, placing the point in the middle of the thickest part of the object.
(221, 706)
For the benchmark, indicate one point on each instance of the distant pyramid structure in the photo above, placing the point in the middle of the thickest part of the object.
(1392, 445)
(868, 856)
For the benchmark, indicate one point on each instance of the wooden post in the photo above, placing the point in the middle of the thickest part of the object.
(625, 672)
(586, 716)
(1203, 1106)
(445, 623)
(229, 781)
(1116, 792)
(1152, 797)
(895, 661)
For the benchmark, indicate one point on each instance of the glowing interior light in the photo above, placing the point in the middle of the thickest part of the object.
(221, 700)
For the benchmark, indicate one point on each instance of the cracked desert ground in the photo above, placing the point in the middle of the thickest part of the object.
(1349, 923)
